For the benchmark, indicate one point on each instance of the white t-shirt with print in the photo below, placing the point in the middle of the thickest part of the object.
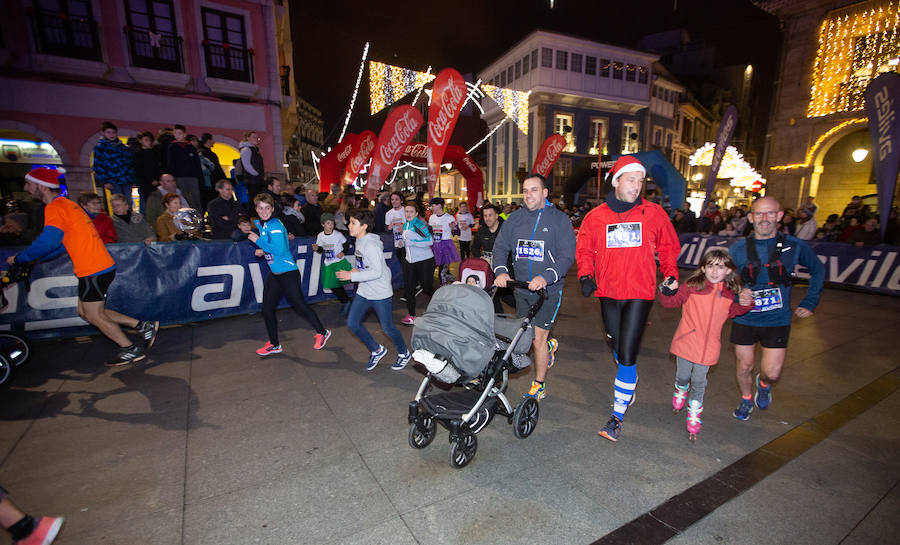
(332, 245)
(442, 226)
(465, 221)
(394, 220)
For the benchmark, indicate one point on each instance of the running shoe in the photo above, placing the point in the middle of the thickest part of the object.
(268, 349)
(763, 396)
(611, 429)
(131, 354)
(402, 360)
(148, 331)
(321, 339)
(744, 409)
(375, 357)
(44, 533)
(419, 290)
(538, 390)
(678, 398)
(409, 320)
(553, 346)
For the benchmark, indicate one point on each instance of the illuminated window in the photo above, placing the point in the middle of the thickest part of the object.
(500, 182)
(629, 72)
(631, 139)
(604, 68)
(546, 57)
(617, 70)
(564, 124)
(598, 136)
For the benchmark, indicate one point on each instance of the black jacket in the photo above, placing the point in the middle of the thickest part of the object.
(313, 214)
(223, 216)
(146, 169)
(183, 160)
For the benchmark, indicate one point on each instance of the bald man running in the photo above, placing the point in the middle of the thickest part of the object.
(766, 260)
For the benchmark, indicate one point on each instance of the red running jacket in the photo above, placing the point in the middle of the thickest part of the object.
(627, 268)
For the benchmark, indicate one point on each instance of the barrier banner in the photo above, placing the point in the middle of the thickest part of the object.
(174, 282)
(881, 97)
(548, 154)
(447, 98)
(870, 268)
(400, 127)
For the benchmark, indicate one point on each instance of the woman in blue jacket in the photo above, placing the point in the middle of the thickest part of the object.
(284, 278)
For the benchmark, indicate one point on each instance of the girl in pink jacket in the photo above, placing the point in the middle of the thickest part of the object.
(708, 298)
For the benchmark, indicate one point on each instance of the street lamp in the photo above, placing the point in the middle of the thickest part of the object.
(859, 154)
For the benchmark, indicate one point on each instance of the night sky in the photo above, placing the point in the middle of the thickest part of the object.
(468, 34)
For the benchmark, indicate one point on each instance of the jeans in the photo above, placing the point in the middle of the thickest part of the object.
(383, 308)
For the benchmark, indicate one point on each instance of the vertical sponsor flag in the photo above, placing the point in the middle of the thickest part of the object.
(401, 125)
(548, 154)
(359, 154)
(331, 163)
(884, 128)
(726, 130)
(447, 98)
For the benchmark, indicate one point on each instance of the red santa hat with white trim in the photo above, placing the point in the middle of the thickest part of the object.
(44, 176)
(627, 163)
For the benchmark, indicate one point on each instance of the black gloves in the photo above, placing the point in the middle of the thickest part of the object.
(665, 289)
(320, 250)
(588, 286)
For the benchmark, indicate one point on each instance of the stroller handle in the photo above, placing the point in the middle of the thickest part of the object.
(542, 295)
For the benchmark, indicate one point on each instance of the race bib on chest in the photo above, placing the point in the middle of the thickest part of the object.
(328, 251)
(624, 235)
(269, 258)
(767, 299)
(397, 228)
(530, 249)
(359, 262)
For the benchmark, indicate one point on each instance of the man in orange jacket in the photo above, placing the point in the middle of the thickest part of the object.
(616, 249)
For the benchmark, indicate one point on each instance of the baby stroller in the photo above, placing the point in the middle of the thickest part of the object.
(460, 341)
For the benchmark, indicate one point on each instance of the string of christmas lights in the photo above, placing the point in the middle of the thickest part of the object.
(819, 141)
(362, 66)
(733, 165)
(388, 84)
(488, 135)
(513, 103)
(419, 92)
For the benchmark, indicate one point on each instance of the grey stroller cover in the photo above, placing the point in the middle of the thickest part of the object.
(458, 325)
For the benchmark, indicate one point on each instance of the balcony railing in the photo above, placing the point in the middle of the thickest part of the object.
(57, 33)
(157, 51)
(228, 62)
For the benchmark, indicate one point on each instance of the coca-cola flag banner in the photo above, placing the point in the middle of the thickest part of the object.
(400, 127)
(513, 103)
(359, 154)
(548, 154)
(726, 130)
(331, 163)
(447, 98)
(884, 128)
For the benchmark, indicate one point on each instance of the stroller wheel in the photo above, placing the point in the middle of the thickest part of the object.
(463, 449)
(421, 432)
(14, 348)
(6, 372)
(526, 417)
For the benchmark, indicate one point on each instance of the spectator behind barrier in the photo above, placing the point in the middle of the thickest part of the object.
(92, 204)
(130, 225)
(165, 223)
(223, 211)
(155, 207)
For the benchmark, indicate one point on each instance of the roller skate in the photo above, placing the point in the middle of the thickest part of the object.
(678, 398)
(695, 409)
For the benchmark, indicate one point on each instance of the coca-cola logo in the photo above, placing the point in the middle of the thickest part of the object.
(416, 151)
(404, 129)
(551, 154)
(344, 153)
(365, 149)
(451, 100)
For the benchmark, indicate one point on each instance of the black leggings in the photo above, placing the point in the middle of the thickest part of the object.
(625, 321)
(290, 285)
(418, 273)
(465, 249)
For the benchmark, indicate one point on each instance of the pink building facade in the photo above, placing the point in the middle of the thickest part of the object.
(69, 65)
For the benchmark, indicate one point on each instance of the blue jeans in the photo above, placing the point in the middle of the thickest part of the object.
(383, 308)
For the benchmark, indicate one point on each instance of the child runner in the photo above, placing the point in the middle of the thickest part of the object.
(445, 252)
(331, 244)
(374, 290)
(284, 277)
(466, 221)
(708, 297)
(419, 270)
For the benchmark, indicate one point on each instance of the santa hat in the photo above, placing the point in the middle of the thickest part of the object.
(45, 176)
(627, 163)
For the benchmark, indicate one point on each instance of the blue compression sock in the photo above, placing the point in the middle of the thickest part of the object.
(626, 381)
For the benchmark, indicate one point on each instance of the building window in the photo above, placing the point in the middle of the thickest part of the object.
(66, 28)
(598, 136)
(518, 69)
(604, 68)
(497, 79)
(562, 60)
(525, 65)
(546, 57)
(561, 171)
(501, 182)
(643, 74)
(503, 79)
(669, 136)
(631, 139)
(657, 136)
(564, 124)
(225, 46)
(617, 70)
(590, 66)
(152, 38)
(509, 74)
(576, 62)
(629, 72)
(534, 59)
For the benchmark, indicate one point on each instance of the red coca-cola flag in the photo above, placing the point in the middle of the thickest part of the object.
(359, 154)
(331, 163)
(447, 98)
(398, 130)
(548, 154)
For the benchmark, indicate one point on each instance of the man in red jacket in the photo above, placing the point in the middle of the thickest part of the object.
(615, 252)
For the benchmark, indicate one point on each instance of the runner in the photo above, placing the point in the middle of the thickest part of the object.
(67, 228)
(769, 323)
(445, 251)
(616, 257)
(542, 238)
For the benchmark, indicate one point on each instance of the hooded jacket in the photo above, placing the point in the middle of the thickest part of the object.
(417, 240)
(273, 240)
(373, 274)
(113, 163)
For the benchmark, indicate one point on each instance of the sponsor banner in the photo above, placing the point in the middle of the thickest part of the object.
(726, 130)
(881, 98)
(447, 98)
(175, 282)
(400, 127)
(331, 163)
(870, 268)
(457, 156)
(548, 154)
(359, 154)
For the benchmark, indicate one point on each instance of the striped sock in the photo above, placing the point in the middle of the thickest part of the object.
(626, 381)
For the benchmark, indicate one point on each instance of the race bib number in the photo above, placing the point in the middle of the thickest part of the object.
(767, 299)
(269, 258)
(438, 232)
(530, 249)
(359, 262)
(328, 251)
(397, 227)
(624, 235)
(489, 257)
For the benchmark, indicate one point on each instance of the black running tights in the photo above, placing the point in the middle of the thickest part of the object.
(288, 284)
(625, 321)
(419, 273)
